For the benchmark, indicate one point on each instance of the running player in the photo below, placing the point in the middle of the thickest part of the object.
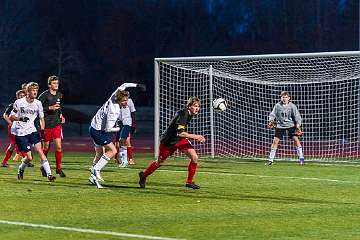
(176, 137)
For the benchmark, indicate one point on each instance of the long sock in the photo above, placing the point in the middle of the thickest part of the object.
(123, 154)
(191, 171)
(117, 153)
(8, 154)
(17, 150)
(300, 153)
(101, 163)
(23, 163)
(272, 154)
(129, 152)
(151, 168)
(45, 164)
(58, 158)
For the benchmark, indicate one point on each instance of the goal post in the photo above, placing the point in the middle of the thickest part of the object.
(325, 87)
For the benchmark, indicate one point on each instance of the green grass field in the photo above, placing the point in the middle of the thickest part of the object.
(237, 200)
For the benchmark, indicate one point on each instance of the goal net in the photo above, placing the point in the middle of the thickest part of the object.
(324, 86)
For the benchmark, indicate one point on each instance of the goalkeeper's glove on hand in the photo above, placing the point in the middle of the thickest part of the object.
(23, 119)
(299, 132)
(271, 124)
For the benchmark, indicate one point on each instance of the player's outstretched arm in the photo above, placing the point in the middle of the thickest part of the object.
(196, 137)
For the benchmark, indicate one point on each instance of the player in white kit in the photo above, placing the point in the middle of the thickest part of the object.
(23, 115)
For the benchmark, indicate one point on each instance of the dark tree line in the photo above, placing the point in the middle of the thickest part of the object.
(95, 45)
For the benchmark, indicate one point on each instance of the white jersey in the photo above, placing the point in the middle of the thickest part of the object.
(23, 108)
(106, 116)
(125, 113)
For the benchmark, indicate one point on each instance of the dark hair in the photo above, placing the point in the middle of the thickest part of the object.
(284, 93)
(52, 78)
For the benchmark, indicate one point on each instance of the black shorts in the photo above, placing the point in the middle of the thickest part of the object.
(280, 132)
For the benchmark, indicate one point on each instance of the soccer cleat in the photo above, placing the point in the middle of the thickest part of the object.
(96, 173)
(131, 162)
(142, 179)
(93, 180)
(30, 164)
(43, 172)
(192, 185)
(4, 165)
(123, 164)
(20, 174)
(51, 178)
(269, 163)
(60, 172)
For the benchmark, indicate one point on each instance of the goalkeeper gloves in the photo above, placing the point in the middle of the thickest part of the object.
(23, 119)
(271, 124)
(299, 132)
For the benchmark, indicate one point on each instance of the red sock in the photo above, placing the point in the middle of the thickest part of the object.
(23, 154)
(17, 150)
(129, 152)
(191, 171)
(58, 157)
(151, 168)
(8, 154)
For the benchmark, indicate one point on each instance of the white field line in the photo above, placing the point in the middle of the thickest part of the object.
(83, 230)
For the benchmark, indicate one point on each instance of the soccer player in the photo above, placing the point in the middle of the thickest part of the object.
(285, 118)
(176, 137)
(101, 128)
(12, 146)
(51, 101)
(127, 118)
(23, 115)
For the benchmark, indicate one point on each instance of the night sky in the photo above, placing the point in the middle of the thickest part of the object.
(95, 45)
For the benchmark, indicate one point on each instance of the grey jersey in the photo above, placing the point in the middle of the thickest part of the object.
(286, 116)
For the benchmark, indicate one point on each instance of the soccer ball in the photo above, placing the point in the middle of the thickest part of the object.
(219, 104)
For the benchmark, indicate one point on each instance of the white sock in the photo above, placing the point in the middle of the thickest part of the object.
(300, 153)
(101, 163)
(45, 164)
(23, 163)
(272, 154)
(123, 154)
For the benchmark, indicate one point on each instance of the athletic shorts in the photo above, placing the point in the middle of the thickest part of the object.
(124, 132)
(24, 143)
(53, 133)
(11, 136)
(100, 137)
(280, 132)
(166, 151)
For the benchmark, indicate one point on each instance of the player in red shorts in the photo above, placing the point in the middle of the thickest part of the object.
(12, 146)
(51, 100)
(175, 137)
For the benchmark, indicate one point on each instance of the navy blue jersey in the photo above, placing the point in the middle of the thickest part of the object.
(177, 125)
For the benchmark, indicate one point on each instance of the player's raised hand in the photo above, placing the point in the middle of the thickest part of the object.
(142, 87)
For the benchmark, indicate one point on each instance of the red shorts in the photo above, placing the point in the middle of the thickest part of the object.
(166, 151)
(53, 133)
(11, 136)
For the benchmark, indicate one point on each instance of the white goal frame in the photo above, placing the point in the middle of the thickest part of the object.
(157, 90)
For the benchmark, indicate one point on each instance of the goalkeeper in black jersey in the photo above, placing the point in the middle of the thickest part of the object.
(176, 137)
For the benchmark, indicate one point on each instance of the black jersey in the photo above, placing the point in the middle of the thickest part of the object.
(177, 125)
(9, 109)
(52, 117)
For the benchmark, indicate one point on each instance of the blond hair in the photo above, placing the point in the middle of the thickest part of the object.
(31, 85)
(192, 100)
(121, 94)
